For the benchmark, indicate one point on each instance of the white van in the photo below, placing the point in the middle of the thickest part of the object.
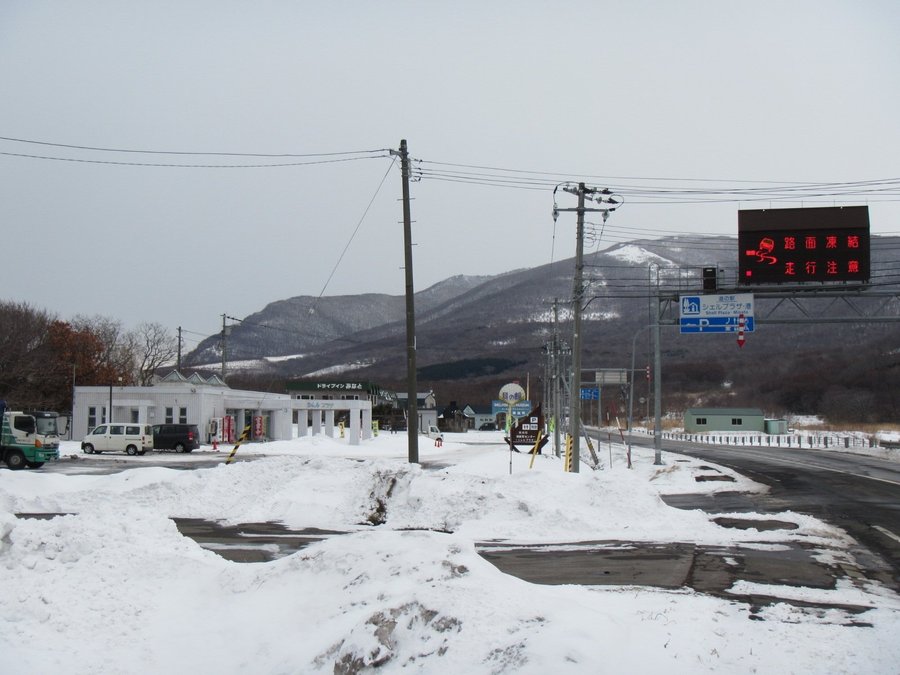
(135, 439)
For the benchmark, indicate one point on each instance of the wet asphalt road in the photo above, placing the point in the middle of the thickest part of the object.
(108, 463)
(857, 493)
(713, 570)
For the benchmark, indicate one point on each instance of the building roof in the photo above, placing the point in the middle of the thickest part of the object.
(422, 400)
(194, 378)
(724, 411)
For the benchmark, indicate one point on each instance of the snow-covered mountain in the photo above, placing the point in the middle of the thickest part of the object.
(496, 326)
(460, 317)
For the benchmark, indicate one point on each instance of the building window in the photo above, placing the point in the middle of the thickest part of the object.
(737, 422)
(134, 415)
(92, 417)
(701, 421)
(182, 415)
(170, 415)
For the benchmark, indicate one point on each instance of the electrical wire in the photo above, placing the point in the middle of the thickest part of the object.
(190, 166)
(353, 235)
(650, 190)
(640, 190)
(675, 191)
(192, 153)
(340, 258)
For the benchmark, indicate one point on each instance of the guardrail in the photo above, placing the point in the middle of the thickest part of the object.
(803, 440)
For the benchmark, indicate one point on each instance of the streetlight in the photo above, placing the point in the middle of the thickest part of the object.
(110, 400)
(631, 389)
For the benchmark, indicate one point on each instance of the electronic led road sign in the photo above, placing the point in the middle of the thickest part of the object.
(794, 246)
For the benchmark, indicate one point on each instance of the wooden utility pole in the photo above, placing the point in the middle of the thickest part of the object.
(601, 197)
(412, 422)
(577, 300)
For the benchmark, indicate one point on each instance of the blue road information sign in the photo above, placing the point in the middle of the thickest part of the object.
(715, 324)
(590, 394)
(716, 313)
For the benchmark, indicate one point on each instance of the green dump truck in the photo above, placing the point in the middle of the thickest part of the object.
(28, 438)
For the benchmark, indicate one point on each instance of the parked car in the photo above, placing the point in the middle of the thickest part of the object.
(177, 437)
(488, 426)
(135, 439)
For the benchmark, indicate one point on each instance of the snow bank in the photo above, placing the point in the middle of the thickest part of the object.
(113, 587)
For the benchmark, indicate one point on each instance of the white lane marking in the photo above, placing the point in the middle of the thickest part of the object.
(886, 532)
(807, 465)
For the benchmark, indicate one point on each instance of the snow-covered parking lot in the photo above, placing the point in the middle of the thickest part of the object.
(113, 587)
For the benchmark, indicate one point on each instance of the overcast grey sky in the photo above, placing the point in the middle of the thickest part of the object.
(615, 93)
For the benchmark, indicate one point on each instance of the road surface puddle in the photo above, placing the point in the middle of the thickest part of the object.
(714, 570)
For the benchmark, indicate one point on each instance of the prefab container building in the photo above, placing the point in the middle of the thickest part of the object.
(698, 420)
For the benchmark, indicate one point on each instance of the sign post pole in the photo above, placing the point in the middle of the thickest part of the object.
(511, 394)
(509, 435)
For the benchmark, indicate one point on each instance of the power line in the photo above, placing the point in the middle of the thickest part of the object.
(190, 166)
(667, 198)
(556, 175)
(641, 190)
(353, 236)
(678, 191)
(193, 153)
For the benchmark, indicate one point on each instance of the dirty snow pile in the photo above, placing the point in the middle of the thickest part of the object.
(113, 587)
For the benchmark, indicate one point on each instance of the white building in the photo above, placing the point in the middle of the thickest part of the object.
(219, 411)
(426, 407)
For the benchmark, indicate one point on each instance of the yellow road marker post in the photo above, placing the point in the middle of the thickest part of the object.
(244, 436)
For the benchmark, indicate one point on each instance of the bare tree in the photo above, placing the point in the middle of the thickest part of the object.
(118, 348)
(23, 353)
(153, 346)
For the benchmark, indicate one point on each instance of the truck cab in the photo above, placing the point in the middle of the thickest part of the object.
(28, 438)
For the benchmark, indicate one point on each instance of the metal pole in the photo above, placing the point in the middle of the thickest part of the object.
(657, 393)
(178, 362)
(557, 394)
(631, 392)
(224, 347)
(72, 419)
(631, 387)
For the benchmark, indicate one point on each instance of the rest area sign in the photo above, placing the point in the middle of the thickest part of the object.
(723, 313)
